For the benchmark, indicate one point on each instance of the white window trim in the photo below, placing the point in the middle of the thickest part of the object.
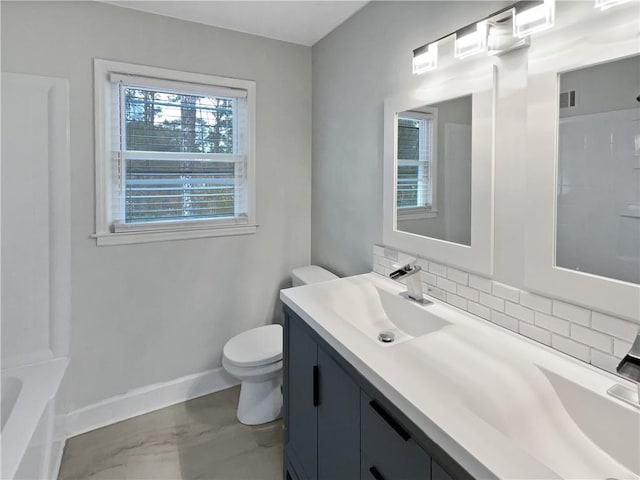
(416, 213)
(426, 211)
(162, 230)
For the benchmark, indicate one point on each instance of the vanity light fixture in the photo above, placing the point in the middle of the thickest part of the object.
(500, 38)
(471, 40)
(533, 16)
(425, 58)
(605, 4)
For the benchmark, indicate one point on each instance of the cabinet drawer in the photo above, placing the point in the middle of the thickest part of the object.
(388, 451)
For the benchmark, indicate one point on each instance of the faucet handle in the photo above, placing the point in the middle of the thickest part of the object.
(405, 262)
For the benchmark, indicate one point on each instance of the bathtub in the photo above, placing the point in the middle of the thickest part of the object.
(31, 440)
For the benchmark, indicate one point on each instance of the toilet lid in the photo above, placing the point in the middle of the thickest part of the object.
(258, 346)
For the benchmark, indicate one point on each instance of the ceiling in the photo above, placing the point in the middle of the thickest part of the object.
(303, 22)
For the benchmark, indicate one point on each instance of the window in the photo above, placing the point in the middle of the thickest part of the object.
(416, 167)
(174, 154)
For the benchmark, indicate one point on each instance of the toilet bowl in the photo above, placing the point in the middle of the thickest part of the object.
(255, 358)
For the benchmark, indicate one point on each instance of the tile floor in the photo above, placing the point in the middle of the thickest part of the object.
(198, 439)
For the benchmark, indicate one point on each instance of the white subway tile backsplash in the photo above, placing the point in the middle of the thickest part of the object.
(592, 338)
(447, 285)
(457, 276)
(570, 347)
(428, 278)
(438, 269)
(391, 254)
(604, 361)
(589, 336)
(506, 292)
(422, 263)
(492, 302)
(620, 348)
(456, 301)
(519, 312)
(468, 293)
(572, 313)
(479, 310)
(437, 293)
(538, 334)
(614, 326)
(552, 323)
(480, 283)
(504, 321)
(536, 302)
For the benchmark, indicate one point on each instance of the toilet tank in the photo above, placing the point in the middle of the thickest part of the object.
(310, 274)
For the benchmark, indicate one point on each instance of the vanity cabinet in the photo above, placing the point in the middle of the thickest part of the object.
(339, 427)
(322, 411)
(388, 450)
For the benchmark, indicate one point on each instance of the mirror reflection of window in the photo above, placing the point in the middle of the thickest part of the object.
(433, 191)
(415, 160)
(598, 182)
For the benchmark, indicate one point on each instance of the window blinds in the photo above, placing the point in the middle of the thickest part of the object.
(414, 161)
(179, 152)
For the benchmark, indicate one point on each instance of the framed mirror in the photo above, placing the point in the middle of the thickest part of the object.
(583, 165)
(438, 168)
(433, 170)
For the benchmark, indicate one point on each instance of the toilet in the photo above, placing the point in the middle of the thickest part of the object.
(255, 358)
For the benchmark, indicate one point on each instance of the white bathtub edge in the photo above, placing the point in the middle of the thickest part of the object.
(147, 399)
(40, 385)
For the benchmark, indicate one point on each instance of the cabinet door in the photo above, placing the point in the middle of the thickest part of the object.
(301, 367)
(338, 422)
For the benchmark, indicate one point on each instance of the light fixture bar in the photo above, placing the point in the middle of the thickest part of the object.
(471, 40)
(530, 17)
(425, 58)
(500, 38)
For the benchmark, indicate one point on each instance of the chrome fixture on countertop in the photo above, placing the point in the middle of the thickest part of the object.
(411, 273)
(629, 368)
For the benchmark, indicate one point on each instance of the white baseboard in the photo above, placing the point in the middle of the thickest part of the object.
(147, 399)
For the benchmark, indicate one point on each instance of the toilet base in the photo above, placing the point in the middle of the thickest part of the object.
(260, 402)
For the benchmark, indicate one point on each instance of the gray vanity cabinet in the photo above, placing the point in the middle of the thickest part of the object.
(339, 427)
(300, 411)
(388, 450)
(322, 411)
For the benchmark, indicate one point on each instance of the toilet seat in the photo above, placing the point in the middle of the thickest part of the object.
(255, 347)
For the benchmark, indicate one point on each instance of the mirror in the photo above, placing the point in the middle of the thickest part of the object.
(433, 170)
(598, 171)
(438, 166)
(565, 169)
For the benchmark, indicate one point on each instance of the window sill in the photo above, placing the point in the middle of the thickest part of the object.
(128, 238)
(417, 214)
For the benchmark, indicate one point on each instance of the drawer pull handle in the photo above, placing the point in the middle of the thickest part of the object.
(376, 474)
(393, 423)
(316, 386)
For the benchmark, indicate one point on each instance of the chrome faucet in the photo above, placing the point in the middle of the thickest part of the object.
(411, 273)
(629, 368)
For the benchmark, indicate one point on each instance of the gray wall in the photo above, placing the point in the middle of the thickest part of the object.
(154, 312)
(355, 67)
(603, 88)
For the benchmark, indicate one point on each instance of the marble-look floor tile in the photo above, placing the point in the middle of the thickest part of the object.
(198, 439)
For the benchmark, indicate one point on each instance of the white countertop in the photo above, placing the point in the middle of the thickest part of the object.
(501, 405)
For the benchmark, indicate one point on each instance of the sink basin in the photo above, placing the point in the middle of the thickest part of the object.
(612, 426)
(372, 309)
(576, 432)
